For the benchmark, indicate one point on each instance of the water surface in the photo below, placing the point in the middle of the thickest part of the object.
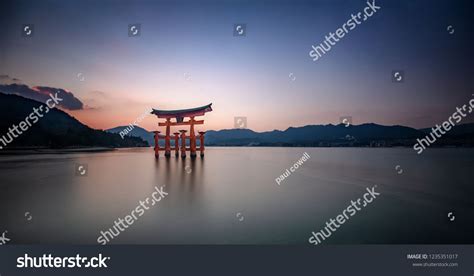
(231, 197)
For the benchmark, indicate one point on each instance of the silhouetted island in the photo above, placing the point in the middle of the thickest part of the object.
(56, 129)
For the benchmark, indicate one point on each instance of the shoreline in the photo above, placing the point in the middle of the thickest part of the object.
(40, 150)
(43, 150)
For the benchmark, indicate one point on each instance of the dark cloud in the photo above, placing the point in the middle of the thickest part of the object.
(42, 93)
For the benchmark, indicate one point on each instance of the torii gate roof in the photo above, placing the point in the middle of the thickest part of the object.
(181, 113)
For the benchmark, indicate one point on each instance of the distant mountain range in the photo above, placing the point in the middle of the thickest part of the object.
(325, 135)
(56, 129)
(313, 135)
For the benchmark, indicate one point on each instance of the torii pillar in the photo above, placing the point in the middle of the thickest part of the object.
(183, 143)
(201, 142)
(157, 144)
(167, 138)
(192, 137)
(176, 144)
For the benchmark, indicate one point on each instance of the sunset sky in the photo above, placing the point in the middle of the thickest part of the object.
(187, 56)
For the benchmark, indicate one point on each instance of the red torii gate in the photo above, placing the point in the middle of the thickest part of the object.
(179, 115)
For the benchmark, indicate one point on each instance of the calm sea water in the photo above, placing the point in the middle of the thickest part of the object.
(231, 197)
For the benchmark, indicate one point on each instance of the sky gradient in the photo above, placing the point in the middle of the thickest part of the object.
(187, 56)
